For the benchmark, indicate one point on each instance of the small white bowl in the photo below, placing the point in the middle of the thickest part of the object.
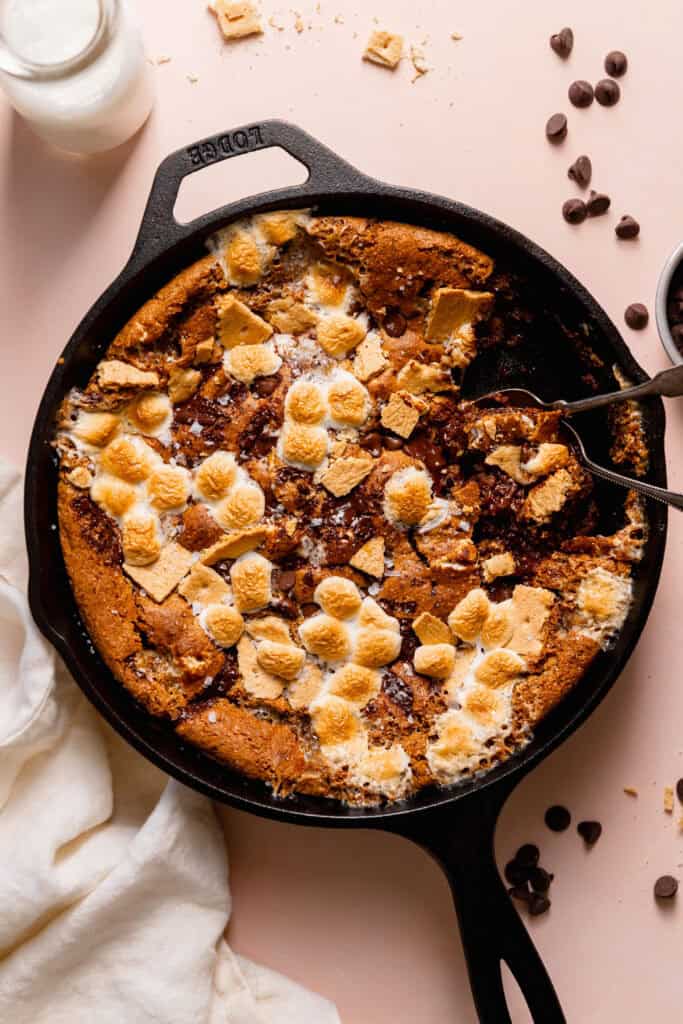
(661, 303)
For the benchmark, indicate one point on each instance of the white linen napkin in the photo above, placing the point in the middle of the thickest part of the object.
(113, 878)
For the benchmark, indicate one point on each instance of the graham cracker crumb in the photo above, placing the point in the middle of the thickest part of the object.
(668, 799)
(400, 415)
(385, 49)
(236, 20)
(630, 791)
(370, 557)
(417, 59)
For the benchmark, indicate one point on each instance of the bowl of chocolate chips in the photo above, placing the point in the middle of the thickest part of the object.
(669, 305)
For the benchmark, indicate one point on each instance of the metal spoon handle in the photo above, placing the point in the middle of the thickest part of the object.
(668, 383)
(650, 490)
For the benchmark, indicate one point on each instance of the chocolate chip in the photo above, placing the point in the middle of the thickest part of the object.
(616, 63)
(516, 873)
(371, 442)
(562, 42)
(666, 887)
(636, 316)
(628, 227)
(538, 904)
(287, 580)
(394, 324)
(556, 128)
(597, 204)
(528, 855)
(392, 443)
(574, 211)
(557, 818)
(540, 880)
(520, 892)
(679, 790)
(265, 386)
(590, 831)
(581, 171)
(607, 92)
(581, 93)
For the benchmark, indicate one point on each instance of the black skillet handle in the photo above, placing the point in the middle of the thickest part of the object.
(327, 173)
(460, 838)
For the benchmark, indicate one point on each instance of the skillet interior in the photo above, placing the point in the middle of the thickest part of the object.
(533, 364)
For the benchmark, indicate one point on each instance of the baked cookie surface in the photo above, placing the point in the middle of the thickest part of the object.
(289, 535)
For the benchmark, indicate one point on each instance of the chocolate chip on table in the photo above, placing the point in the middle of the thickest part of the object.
(666, 887)
(581, 93)
(616, 63)
(538, 904)
(562, 42)
(590, 831)
(628, 227)
(607, 92)
(574, 211)
(528, 855)
(558, 818)
(581, 171)
(516, 873)
(636, 316)
(556, 128)
(597, 204)
(520, 892)
(540, 879)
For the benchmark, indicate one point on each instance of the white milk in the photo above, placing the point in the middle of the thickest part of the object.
(80, 91)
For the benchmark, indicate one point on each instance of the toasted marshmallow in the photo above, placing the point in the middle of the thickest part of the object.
(128, 458)
(303, 446)
(339, 729)
(348, 400)
(244, 506)
(338, 597)
(485, 705)
(140, 538)
(250, 576)
(169, 487)
(339, 334)
(113, 495)
(247, 362)
(436, 660)
(355, 683)
(204, 587)
(372, 614)
(326, 637)
(243, 259)
(455, 747)
(282, 660)
(182, 384)
(469, 615)
(497, 629)
(270, 627)
(306, 403)
(278, 227)
(151, 412)
(547, 459)
(215, 476)
(96, 428)
(328, 284)
(376, 647)
(387, 770)
(408, 496)
(223, 623)
(499, 668)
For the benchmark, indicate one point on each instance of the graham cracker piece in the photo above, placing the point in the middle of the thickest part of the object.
(400, 415)
(290, 317)
(370, 557)
(384, 48)
(454, 310)
(548, 497)
(369, 359)
(204, 586)
(430, 630)
(346, 473)
(204, 351)
(498, 565)
(114, 373)
(236, 20)
(669, 799)
(238, 325)
(182, 384)
(234, 544)
(159, 579)
(420, 377)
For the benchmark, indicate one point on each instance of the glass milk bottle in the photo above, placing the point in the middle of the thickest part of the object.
(76, 70)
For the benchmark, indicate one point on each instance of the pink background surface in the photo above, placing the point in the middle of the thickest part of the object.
(363, 918)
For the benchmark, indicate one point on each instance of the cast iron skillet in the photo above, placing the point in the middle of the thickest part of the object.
(456, 826)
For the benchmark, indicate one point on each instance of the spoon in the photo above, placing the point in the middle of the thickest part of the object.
(668, 383)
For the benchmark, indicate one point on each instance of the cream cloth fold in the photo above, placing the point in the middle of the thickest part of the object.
(113, 879)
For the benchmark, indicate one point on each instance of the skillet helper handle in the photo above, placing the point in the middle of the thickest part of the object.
(460, 838)
(327, 173)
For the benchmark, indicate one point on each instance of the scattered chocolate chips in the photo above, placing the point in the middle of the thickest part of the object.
(538, 904)
(616, 63)
(394, 324)
(520, 892)
(666, 887)
(562, 42)
(581, 93)
(574, 211)
(679, 790)
(558, 818)
(590, 831)
(392, 443)
(581, 171)
(556, 128)
(516, 873)
(628, 227)
(636, 316)
(540, 880)
(528, 855)
(597, 204)
(607, 92)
